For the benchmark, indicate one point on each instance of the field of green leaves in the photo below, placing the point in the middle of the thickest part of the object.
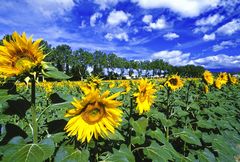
(186, 124)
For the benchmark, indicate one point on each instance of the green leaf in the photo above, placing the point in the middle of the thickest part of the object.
(225, 152)
(208, 124)
(156, 153)
(50, 71)
(189, 137)
(180, 112)
(29, 152)
(140, 125)
(194, 106)
(116, 136)
(124, 154)
(206, 156)
(69, 153)
(63, 105)
(138, 139)
(158, 135)
(58, 137)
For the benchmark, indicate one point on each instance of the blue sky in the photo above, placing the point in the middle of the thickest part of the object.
(181, 32)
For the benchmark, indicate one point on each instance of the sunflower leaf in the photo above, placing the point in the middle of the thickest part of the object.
(69, 153)
(50, 71)
(28, 152)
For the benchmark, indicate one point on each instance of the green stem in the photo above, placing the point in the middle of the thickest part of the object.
(33, 111)
(167, 133)
(169, 110)
(184, 148)
(129, 125)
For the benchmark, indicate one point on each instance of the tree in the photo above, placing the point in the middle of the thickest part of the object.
(82, 60)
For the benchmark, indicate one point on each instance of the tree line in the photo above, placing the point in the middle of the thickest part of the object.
(77, 62)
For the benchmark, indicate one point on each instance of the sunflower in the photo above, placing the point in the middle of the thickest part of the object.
(96, 114)
(144, 96)
(223, 77)
(111, 84)
(19, 55)
(207, 77)
(218, 83)
(232, 79)
(174, 82)
(126, 86)
(206, 89)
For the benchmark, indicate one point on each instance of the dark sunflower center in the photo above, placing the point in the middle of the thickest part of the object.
(93, 113)
(173, 81)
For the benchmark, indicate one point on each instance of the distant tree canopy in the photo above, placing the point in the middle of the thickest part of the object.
(76, 64)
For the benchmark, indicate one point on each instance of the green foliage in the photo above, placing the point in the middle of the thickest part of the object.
(184, 125)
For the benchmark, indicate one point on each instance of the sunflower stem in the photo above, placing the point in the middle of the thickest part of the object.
(129, 125)
(33, 110)
(169, 112)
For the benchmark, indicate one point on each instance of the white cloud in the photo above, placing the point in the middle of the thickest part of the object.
(51, 8)
(209, 37)
(202, 29)
(218, 61)
(230, 27)
(147, 19)
(205, 24)
(107, 3)
(211, 20)
(224, 45)
(179, 58)
(119, 36)
(117, 17)
(158, 25)
(94, 18)
(83, 24)
(186, 8)
(171, 36)
(175, 57)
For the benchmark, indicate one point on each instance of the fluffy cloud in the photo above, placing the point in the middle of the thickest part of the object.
(218, 61)
(117, 17)
(119, 36)
(158, 25)
(202, 29)
(230, 27)
(46, 7)
(147, 19)
(170, 36)
(209, 37)
(179, 58)
(211, 20)
(205, 24)
(174, 57)
(94, 18)
(224, 45)
(107, 3)
(186, 8)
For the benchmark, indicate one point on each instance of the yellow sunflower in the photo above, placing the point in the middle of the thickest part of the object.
(19, 55)
(208, 77)
(96, 114)
(125, 84)
(174, 82)
(111, 84)
(206, 89)
(144, 96)
(232, 79)
(223, 77)
(218, 83)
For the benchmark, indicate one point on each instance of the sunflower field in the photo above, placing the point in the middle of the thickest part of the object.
(160, 120)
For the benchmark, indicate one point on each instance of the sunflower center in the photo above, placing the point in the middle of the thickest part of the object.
(93, 113)
(24, 64)
(173, 81)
